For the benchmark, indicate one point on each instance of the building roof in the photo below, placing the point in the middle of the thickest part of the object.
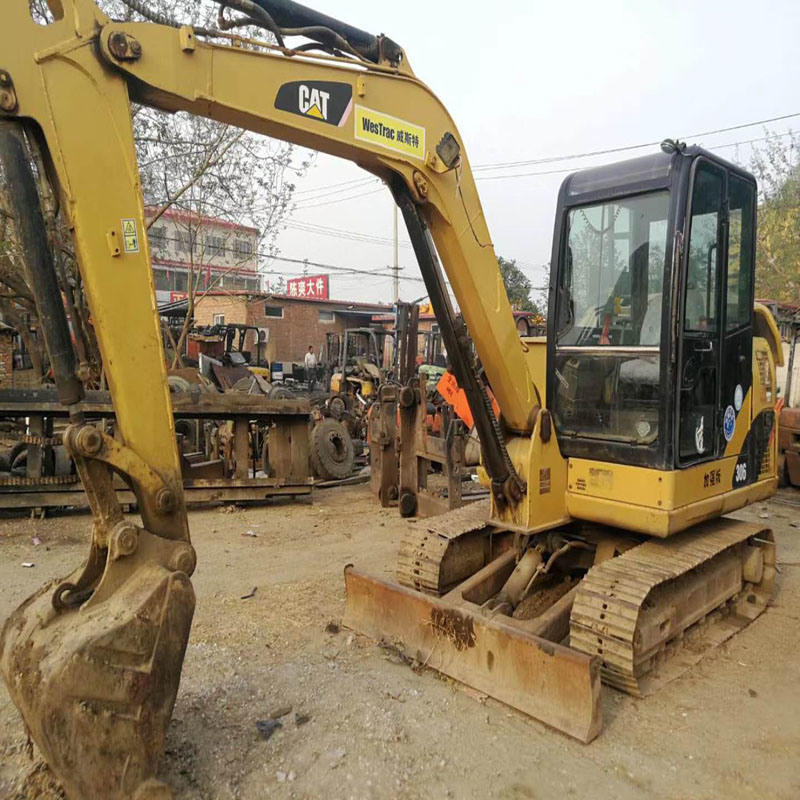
(180, 307)
(780, 304)
(517, 315)
(179, 215)
(375, 307)
(285, 298)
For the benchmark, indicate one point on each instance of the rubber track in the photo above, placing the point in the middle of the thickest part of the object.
(424, 546)
(606, 611)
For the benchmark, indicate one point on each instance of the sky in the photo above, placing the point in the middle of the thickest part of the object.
(538, 80)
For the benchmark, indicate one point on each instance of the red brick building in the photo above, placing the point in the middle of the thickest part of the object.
(293, 323)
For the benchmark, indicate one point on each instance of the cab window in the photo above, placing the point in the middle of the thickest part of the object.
(741, 243)
(701, 311)
(608, 346)
(614, 274)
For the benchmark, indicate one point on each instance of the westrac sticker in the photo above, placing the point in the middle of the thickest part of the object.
(390, 132)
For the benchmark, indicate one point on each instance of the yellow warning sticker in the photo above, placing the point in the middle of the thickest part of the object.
(130, 235)
(389, 132)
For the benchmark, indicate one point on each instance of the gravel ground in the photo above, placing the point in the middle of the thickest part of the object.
(362, 724)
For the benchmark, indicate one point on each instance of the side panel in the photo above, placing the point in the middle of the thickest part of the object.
(661, 503)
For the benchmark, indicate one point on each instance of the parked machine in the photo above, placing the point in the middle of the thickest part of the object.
(355, 371)
(789, 447)
(356, 360)
(646, 415)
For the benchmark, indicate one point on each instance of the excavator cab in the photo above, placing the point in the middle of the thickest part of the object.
(654, 290)
(652, 321)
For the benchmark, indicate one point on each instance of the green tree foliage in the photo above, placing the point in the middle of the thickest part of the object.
(518, 287)
(776, 165)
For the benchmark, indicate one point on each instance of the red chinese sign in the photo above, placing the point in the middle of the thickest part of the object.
(314, 287)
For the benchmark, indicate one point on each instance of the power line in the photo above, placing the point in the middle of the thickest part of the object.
(611, 150)
(334, 185)
(339, 187)
(341, 200)
(572, 169)
(307, 201)
(574, 156)
(374, 239)
(337, 233)
(303, 261)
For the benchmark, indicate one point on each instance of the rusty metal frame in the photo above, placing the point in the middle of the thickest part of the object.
(289, 421)
(383, 446)
(419, 449)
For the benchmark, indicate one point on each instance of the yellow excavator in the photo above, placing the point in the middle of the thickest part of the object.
(645, 414)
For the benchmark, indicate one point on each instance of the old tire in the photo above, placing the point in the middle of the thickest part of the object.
(280, 393)
(338, 407)
(332, 455)
(178, 385)
(8, 457)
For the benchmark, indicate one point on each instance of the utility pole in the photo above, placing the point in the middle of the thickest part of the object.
(396, 266)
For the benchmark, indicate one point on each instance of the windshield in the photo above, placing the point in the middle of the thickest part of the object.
(608, 360)
(613, 277)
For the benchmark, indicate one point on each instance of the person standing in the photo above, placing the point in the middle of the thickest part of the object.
(311, 367)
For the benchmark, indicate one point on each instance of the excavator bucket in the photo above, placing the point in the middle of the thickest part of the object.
(96, 683)
(493, 654)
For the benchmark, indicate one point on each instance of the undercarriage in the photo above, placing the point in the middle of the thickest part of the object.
(538, 622)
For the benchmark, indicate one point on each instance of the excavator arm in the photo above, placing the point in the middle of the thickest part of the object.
(93, 662)
(388, 122)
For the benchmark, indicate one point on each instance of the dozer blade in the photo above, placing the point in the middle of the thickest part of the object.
(495, 655)
(96, 684)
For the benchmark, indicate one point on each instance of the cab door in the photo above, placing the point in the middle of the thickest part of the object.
(700, 337)
(736, 374)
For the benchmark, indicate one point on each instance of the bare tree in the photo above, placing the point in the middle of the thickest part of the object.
(197, 167)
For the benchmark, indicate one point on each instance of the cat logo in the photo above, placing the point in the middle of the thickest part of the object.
(313, 102)
(325, 101)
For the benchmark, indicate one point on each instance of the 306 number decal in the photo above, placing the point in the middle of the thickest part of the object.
(740, 473)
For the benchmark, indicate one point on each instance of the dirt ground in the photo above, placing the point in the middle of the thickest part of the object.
(729, 728)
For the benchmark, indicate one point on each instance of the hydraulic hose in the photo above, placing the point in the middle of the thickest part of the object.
(38, 259)
(288, 14)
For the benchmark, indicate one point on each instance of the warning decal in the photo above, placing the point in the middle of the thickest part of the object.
(130, 236)
(390, 132)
